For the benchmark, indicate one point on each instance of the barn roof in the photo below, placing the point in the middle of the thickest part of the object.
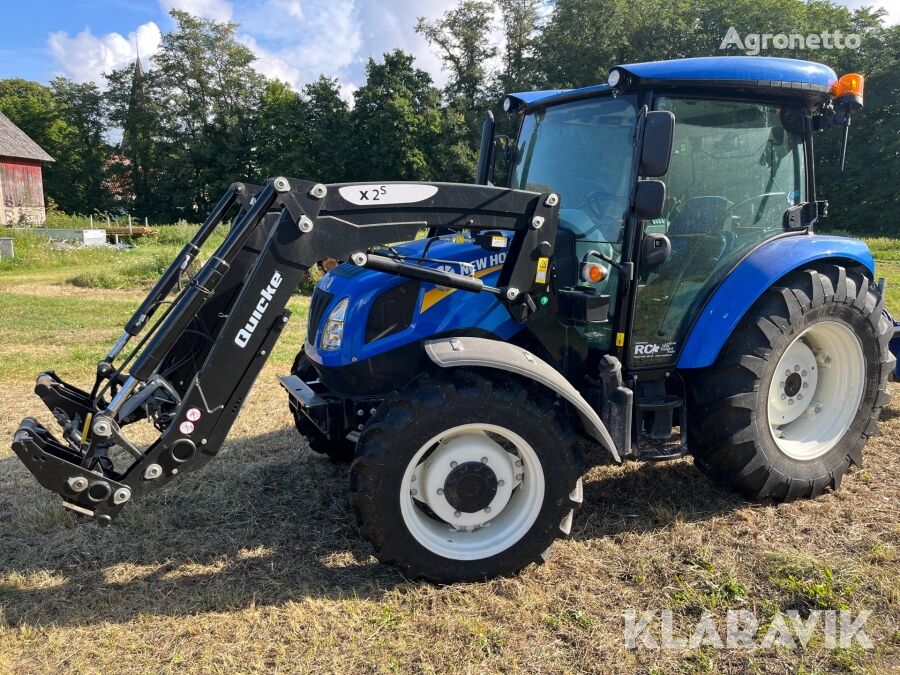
(15, 143)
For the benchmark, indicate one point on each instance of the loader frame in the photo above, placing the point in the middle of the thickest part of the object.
(192, 370)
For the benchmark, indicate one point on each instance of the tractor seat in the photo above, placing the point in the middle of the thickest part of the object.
(696, 230)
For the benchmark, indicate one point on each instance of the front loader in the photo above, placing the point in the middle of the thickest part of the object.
(648, 284)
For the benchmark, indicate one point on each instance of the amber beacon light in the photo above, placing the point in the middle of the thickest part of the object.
(849, 90)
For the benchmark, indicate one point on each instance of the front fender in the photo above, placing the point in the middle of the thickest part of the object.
(752, 276)
(480, 352)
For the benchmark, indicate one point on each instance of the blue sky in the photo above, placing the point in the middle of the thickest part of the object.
(294, 40)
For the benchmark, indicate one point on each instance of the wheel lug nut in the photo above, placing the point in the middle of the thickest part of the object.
(484, 460)
(783, 396)
(796, 369)
(452, 465)
(806, 385)
(804, 373)
(413, 478)
(518, 462)
(487, 509)
(788, 372)
(799, 397)
(456, 514)
(790, 401)
(413, 492)
(781, 384)
(440, 491)
(520, 476)
(501, 483)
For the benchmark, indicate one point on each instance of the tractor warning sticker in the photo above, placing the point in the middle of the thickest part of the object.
(650, 350)
(387, 193)
(542, 267)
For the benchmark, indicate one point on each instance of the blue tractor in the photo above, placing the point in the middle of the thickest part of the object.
(647, 284)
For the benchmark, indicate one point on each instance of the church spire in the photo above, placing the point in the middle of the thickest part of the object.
(138, 68)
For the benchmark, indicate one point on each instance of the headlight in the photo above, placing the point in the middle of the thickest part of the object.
(615, 76)
(333, 332)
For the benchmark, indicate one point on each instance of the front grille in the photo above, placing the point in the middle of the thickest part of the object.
(392, 311)
(317, 306)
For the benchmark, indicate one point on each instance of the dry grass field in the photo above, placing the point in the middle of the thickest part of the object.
(254, 563)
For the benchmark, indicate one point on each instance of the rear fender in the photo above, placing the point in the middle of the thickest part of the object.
(480, 352)
(751, 277)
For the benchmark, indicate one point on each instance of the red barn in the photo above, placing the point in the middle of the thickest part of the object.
(21, 184)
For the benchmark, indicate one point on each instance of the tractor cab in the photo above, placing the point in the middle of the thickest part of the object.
(738, 174)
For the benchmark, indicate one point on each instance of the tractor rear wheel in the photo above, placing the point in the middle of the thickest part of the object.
(339, 452)
(466, 477)
(798, 388)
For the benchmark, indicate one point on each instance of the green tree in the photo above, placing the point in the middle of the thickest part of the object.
(463, 39)
(135, 169)
(396, 118)
(328, 132)
(521, 21)
(280, 141)
(201, 116)
(67, 120)
(85, 153)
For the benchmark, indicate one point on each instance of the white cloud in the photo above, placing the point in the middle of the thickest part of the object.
(86, 57)
(220, 10)
(892, 7)
(387, 26)
(293, 40)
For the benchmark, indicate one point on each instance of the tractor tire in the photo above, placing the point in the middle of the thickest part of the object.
(339, 452)
(466, 477)
(797, 389)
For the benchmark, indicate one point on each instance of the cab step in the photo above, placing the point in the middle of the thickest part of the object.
(655, 421)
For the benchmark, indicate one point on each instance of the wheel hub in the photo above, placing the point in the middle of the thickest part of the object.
(468, 480)
(795, 381)
(792, 384)
(470, 487)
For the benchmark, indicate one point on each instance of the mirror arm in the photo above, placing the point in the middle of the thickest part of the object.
(626, 270)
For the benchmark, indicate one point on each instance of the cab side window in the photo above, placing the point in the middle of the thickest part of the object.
(735, 169)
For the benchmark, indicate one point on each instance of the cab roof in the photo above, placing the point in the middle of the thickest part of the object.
(790, 78)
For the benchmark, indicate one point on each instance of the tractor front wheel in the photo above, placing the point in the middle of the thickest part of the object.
(798, 388)
(465, 478)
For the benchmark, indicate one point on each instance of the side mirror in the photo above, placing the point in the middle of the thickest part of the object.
(649, 199)
(655, 250)
(656, 150)
(485, 166)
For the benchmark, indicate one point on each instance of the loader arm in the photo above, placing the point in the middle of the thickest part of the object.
(192, 369)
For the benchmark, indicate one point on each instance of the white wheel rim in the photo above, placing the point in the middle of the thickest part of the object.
(460, 535)
(816, 390)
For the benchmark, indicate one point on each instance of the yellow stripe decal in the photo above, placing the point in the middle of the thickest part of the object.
(87, 428)
(435, 295)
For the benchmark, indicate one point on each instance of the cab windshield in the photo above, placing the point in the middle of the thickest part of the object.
(584, 151)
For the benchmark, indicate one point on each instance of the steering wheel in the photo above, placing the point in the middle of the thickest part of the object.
(597, 201)
(728, 210)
